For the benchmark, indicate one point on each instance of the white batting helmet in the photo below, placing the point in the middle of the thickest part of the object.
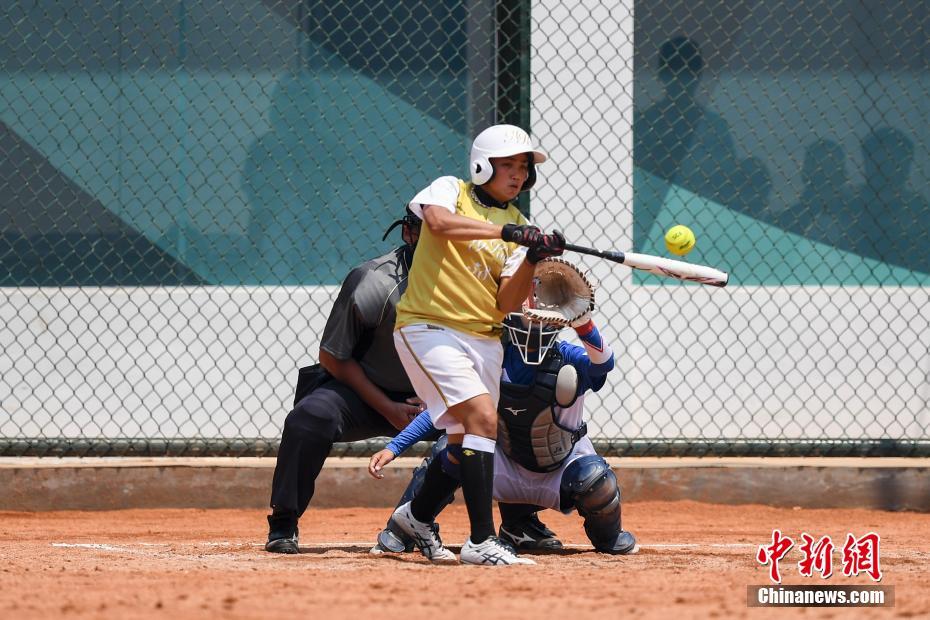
(502, 141)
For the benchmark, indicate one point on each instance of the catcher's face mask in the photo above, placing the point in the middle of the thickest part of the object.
(533, 339)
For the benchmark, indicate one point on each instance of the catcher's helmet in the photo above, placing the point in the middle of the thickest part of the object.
(502, 141)
(532, 338)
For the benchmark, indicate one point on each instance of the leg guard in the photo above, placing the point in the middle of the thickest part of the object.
(392, 538)
(591, 487)
(420, 472)
(451, 459)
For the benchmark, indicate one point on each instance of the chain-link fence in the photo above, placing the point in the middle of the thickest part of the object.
(185, 183)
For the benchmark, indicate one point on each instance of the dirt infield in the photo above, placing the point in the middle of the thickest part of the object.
(696, 561)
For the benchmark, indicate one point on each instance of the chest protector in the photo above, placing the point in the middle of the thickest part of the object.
(528, 428)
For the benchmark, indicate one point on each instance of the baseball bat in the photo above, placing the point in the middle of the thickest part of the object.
(659, 266)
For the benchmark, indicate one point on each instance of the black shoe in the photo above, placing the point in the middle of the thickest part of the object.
(282, 539)
(286, 544)
(624, 544)
(529, 533)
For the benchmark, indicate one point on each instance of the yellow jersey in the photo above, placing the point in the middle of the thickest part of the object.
(455, 283)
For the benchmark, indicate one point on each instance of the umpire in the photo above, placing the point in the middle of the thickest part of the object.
(358, 390)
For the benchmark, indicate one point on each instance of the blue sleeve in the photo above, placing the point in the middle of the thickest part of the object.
(590, 377)
(421, 426)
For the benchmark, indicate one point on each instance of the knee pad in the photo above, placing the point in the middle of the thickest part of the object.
(451, 460)
(313, 419)
(591, 487)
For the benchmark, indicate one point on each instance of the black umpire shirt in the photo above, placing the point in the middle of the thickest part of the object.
(361, 323)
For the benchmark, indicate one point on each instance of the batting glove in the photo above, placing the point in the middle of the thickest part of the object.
(524, 235)
(549, 245)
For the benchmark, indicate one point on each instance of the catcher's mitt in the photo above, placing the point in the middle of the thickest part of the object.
(561, 293)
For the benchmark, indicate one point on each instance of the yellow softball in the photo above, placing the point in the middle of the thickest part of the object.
(679, 240)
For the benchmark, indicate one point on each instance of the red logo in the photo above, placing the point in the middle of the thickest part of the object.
(773, 553)
(817, 556)
(861, 556)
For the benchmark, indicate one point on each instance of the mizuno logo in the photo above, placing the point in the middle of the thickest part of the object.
(514, 411)
(517, 539)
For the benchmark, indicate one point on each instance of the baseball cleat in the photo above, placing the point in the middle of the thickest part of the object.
(530, 534)
(625, 544)
(424, 536)
(492, 552)
(282, 544)
(389, 542)
(392, 540)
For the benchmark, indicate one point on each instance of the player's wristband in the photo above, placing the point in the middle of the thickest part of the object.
(599, 352)
(585, 329)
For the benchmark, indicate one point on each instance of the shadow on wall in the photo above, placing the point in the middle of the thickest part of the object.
(882, 218)
(340, 161)
(53, 233)
(886, 219)
(679, 140)
(682, 141)
(826, 191)
(375, 39)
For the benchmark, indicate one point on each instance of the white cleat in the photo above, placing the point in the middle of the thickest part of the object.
(492, 552)
(425, 537)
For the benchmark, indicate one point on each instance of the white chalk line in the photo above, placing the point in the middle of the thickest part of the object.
(226, 550)
(174, 548)
(340, 544)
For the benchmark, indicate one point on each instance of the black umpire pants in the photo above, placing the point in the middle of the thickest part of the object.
(331, 412)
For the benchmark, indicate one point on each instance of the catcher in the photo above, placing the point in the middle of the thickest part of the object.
(546, 460)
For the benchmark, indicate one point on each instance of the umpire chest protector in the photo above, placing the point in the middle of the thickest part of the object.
(528, 429)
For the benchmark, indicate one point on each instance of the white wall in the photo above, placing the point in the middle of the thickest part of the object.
(154, 362)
